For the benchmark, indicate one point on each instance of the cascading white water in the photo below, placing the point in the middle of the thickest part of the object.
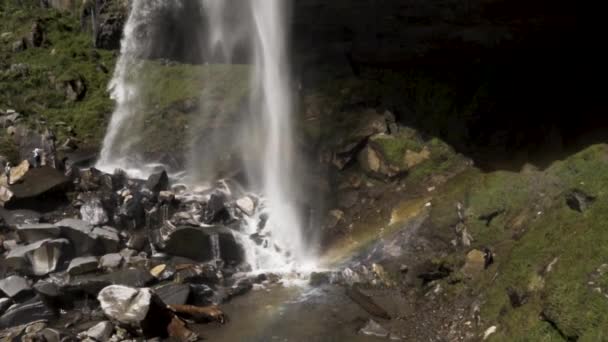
(118, 145)
(256, 31)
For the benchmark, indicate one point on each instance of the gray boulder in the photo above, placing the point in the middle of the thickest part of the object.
(80, 233)
(173, 294)
(102, 331)
(30, 311)
(93, 212)
(30, 233)
(15, 287)
(39, 258)
(83, 265)
(204, 244)
(110, 261)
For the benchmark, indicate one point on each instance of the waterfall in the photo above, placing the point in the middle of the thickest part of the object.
(252, 32)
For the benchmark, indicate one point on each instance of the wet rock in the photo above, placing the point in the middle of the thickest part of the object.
(246, 205)
(30, 233)
(215, 210)
(204, 244)
(173, 293)
(319, 278)
(201, 295)
(93, 212)
(578, 200)
(39, 258)
(137, 241)
(30, 311)
(158, 182)
(372, 328)
(197, 274)
(54, 335)
(16, 287)
(101, 332)
(107, 238)
(47, 289)
(166, 196)
(137, 308)
(80, 233)
(200, 314)
(37, 182)
(91, 180)
(110, 261)
(5, 303)
(83, 265)
(13, 218)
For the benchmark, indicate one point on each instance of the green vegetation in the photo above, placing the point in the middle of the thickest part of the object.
(66, 54)
(546, 252)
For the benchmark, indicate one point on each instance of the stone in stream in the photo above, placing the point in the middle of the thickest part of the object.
(15, 287)
(88, 240)
(140, 309)
(173, 294)
(215, 210)
(158, 182)
(93, 212)
(102, 331)
(39, 258)
(83, 265)
(204, 244)
(110, 261)
(30, 233)
(246, 205)
(30, 311)
(372, 328)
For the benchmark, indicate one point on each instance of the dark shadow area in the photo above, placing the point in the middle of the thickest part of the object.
(504, 82)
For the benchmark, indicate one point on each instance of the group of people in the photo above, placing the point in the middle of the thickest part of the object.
(37, 159)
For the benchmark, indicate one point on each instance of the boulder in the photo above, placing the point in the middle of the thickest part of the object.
(578, 200)
(30, 311)
(101, 332)
(80, 233)
(83, 265)
(13, 218)
(93, 212)
(204, 244)
(246, 205)
(140, 309)
(30, 233)
(108, 239)
(110, 261)
(173, 294)
(215, 210)
(15, 287)
(37, 182)
(39, 258)
(158, 182)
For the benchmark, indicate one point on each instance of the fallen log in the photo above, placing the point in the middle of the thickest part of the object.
(200, 314)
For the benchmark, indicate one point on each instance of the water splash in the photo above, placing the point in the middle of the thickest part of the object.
(261, 136)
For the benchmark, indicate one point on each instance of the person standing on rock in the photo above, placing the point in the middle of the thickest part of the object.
(7, 173)
(37, 157)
